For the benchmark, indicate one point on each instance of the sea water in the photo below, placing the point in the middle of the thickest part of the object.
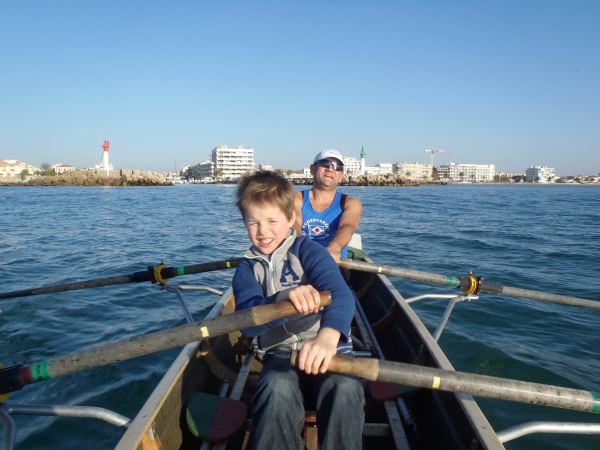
(544, 238)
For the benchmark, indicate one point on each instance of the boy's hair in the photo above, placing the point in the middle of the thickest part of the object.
(265, 188)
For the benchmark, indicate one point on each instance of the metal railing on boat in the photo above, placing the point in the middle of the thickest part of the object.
(89, 412)
(509, 434)
(523, 429)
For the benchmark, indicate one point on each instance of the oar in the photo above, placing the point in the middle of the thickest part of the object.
(466, 383)
(470, 284)
(160, 274)
(15, 377)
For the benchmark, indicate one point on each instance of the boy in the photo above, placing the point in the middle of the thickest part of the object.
(280, 266)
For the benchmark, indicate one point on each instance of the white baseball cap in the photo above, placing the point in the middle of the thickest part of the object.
(329, 153)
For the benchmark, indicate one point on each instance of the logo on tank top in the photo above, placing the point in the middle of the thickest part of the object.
(317, 229)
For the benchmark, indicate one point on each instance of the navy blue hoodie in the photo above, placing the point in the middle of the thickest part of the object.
(297, 261)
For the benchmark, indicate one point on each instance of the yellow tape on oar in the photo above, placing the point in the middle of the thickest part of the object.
(3, 397)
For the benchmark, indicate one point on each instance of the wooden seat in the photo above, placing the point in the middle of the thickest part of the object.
(311, 432)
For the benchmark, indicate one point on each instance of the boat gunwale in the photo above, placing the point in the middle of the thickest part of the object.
(144, 419)
(147, 415)
(481, 426)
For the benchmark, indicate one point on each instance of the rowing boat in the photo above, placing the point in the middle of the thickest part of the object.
(384, 326)
(215, 377)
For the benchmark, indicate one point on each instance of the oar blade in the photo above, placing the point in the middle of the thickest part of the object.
(213, 418)
(383, 391)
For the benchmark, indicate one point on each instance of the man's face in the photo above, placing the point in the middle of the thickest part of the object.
(326, 176)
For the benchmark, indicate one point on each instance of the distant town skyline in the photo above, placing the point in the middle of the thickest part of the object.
(509, 83)
(437, 164)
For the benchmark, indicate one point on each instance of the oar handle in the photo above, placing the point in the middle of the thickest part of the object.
(15, 377)
(467, 383)
(469, 284)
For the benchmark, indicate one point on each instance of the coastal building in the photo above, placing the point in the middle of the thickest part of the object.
(539, 174)
(62, 168)
(204, 169)
(268, 167)
(297, 174)
(351, 165)
(232, 162)
(414, 171)
(379, 169)
(475, 173)
(14, 167)
(442, 173)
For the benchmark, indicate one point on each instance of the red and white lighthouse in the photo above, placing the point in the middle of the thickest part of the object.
(105, 165)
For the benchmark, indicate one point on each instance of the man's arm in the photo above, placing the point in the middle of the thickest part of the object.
(349, 221)
(298, 208)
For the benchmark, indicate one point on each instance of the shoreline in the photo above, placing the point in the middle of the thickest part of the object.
(117, 177)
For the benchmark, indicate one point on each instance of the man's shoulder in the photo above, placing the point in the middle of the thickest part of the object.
(349, 201)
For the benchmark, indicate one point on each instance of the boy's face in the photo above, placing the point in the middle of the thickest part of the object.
(267, 227)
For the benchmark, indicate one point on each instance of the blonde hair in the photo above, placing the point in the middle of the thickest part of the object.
(265, 188)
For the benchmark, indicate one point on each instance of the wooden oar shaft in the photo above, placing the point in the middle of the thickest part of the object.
(137, 277)
(153, 342)
(100, 282)
(491, 288)
(467, 383)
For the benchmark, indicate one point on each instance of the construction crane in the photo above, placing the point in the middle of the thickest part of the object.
(433, 152)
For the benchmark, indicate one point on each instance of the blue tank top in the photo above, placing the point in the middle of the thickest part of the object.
(322, 226)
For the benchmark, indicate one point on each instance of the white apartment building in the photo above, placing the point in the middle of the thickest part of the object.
(268, 167)
(351, 165)
(204, 169)
(379, 169)
(233, 162)
(470, 172)
(14, 167)
(414, 171)
(540, 174)
(62, 168)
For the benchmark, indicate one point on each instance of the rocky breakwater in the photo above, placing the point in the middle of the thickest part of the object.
(391, 179)
(119, 177)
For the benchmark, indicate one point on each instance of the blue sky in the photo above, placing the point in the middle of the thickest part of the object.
(510, 83)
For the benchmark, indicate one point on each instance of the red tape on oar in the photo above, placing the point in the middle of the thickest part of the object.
(213, 418)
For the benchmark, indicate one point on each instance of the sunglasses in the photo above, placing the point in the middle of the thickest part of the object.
(326, 163)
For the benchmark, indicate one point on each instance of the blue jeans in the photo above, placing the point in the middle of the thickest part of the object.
(278, 410)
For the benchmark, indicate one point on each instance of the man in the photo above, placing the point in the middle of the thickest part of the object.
(325, 215)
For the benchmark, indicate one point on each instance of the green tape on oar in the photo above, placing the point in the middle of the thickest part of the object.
(213, 418)
(596, 406)
(452, 281)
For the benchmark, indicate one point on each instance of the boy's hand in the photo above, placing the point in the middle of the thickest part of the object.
(304, 298)
(315, 356)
